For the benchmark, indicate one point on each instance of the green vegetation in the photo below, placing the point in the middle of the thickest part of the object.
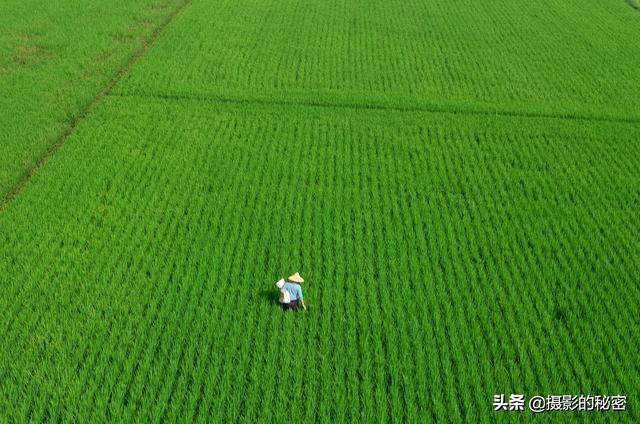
(561, 57)
(451, 252)
(54, 58)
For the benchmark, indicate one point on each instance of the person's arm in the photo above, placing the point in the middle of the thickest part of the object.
(304, 307)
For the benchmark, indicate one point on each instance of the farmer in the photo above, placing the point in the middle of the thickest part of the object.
(291, 292)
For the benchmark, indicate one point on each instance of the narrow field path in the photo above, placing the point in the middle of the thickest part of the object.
(207, 98)
(91, 106)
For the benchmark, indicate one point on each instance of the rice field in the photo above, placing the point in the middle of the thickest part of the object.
(457, 182)
(575, 58)
(54, 58)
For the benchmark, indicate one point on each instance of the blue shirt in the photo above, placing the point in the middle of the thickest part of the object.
(295, 291)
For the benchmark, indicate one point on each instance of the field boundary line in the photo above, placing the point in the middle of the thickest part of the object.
(104, 91)
(209, 98)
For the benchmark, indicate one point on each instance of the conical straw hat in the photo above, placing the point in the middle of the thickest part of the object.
(296, 278)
